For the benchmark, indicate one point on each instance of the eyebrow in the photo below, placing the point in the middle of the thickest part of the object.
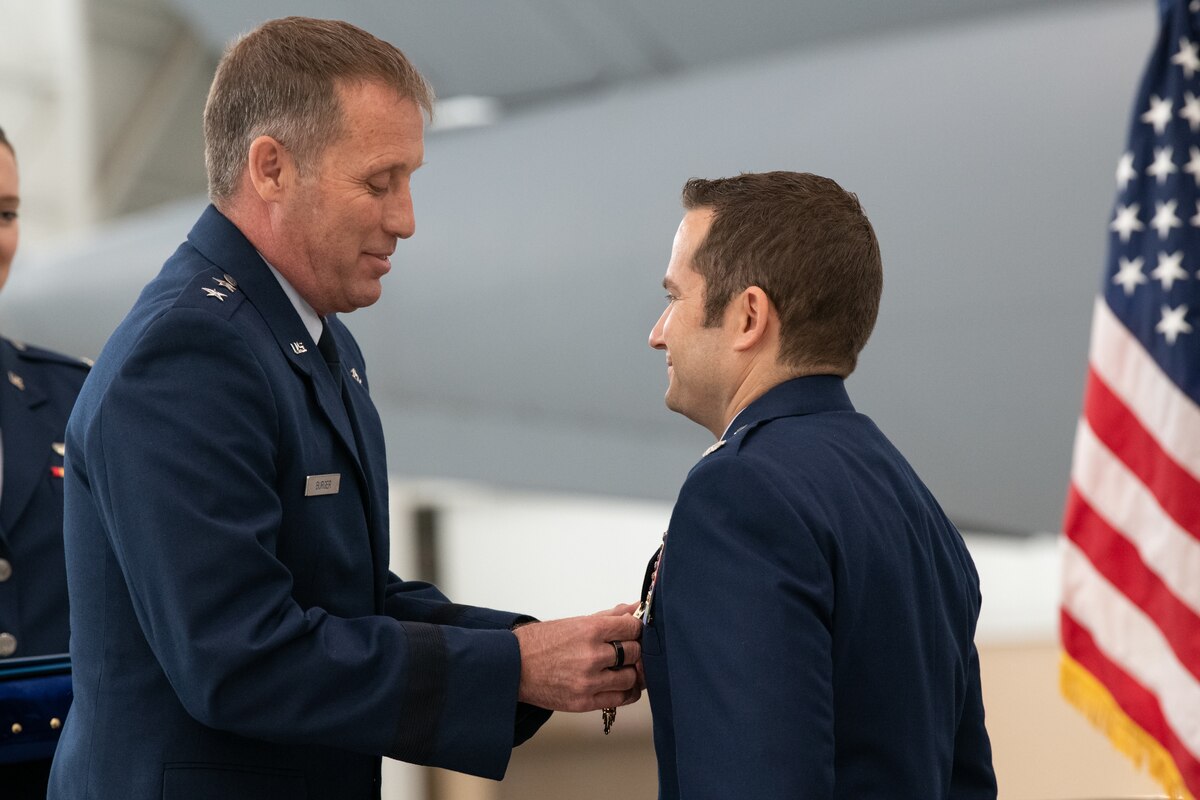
(669, 284)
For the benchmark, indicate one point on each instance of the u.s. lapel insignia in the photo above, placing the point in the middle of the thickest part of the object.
(227, 282)
(59, 447)
(16, 380)
(714, 447)
(298, 348)
(213, 293)
(354, 374)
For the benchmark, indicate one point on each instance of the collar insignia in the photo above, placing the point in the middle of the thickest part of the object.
(227, 282)
(714, 447)
(214, 293)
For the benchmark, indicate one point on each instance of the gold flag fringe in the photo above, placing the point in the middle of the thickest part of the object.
(1095, 702)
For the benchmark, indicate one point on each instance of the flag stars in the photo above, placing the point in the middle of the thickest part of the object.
(1126, 221)
(1188, 57)
(1169, 269)
(1130, 276)
(1192, 167)
(1159, 113)
(1164, 164)
(1173, 323)
(1191, 111)
(1125, 171)
(1165, 218)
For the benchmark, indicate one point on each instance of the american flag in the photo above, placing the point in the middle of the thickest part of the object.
(1130, 613)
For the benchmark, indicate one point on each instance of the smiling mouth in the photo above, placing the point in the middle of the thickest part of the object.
(384, 259)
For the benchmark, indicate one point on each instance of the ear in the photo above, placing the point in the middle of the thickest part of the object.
(270, 168)
(754, 317)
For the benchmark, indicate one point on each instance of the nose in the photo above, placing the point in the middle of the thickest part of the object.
(398, 217)
(656, 333)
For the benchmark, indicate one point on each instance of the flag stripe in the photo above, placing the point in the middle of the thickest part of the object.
(1115, 494)
(1114, 557)
(1173, 487)
(1139, 704)
(1125, 635)
(1165, 412)
(1131, 568)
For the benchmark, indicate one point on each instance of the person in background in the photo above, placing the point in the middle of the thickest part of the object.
(810, 617)
(236, 631)
(37, 389)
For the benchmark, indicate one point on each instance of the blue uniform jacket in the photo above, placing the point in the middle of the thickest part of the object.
(812, 628)
(37, 390)
(234, 634)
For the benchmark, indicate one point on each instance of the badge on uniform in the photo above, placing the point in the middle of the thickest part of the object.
(317, 485)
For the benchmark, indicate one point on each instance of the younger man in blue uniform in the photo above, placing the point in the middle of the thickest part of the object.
(809, 632)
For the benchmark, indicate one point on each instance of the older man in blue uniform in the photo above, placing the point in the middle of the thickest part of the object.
(236, 631)
(810, 622)
(37, 389)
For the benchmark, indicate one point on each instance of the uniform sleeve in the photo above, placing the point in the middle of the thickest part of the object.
(973, 777)
(748, 602)
(185, 484)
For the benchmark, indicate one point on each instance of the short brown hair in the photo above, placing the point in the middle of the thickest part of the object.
(804, 241)
(281, 80)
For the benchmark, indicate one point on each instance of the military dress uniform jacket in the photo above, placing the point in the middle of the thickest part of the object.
(37, 390)
(237, 633)
(811, 631)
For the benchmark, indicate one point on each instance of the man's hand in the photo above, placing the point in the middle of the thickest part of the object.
(565, 663)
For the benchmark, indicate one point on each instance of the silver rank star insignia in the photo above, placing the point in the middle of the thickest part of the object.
(16, 380)
(59, 447)
(354, 374)
(714, 447)
(214, 293)
(227, 282)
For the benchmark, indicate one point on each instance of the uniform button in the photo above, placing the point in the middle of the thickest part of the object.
(55, 723)
(8, 645)
(5, 569)
(16, 727)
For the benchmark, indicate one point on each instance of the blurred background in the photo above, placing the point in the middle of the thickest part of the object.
(533, 462)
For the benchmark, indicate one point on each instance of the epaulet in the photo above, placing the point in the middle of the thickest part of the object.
(733, 440)
(212, 290)
(738, 437)
(28, 352)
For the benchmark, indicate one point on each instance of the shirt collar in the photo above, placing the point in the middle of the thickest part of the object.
(308, 315)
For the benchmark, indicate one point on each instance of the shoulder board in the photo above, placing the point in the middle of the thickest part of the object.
(737, 438)
(212, 290)
(28, 352)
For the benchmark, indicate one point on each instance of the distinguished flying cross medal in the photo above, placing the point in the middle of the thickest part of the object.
(609, 715)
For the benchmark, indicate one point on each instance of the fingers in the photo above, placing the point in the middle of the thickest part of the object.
(619, 610)
(612, 699)
(567, 664)
(633, 652)
(619, 628)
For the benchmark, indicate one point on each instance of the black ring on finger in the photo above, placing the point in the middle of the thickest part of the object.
(619, 653)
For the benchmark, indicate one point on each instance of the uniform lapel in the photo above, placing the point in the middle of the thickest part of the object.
(369, 431)
(27, 437)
